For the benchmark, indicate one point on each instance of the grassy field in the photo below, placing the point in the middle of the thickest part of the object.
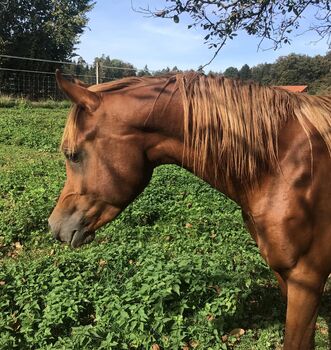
(176, 270)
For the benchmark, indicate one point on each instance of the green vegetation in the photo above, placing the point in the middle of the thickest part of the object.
(290, 70)
(54, 26)
(9, 101)
(176, 270)
(293, 69)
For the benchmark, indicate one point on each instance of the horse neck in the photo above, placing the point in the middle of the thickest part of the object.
(165, 130)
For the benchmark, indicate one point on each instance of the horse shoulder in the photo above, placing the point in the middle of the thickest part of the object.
(288, 213)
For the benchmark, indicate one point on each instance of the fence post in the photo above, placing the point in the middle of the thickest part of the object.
(97, 72)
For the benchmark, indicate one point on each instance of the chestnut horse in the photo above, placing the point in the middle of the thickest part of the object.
(265, 148)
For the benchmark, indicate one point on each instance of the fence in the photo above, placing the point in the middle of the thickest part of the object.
(34, 78)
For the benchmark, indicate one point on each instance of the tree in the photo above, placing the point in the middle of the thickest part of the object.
(245, 72)
(80, 69)
(46, 29)
(296, 69)
(231, 72)
(163, 71)
(144, 72)
(175, 70)
(111, 69)
(266, 19)
(300, 69)
(263, 73)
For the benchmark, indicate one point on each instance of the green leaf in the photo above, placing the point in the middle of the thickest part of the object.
(176, 289)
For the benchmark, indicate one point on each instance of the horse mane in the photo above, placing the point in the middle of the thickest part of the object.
(229, 123)
(235, 125)
(128, 82)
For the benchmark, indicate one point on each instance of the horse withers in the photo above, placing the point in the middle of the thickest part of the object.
(265, 148)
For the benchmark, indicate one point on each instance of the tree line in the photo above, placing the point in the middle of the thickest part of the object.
(112, 69)
(293, 69)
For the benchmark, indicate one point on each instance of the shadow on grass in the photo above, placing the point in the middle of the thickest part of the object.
(325, 313)
(265, 305)
(266, 309)
(262, 317)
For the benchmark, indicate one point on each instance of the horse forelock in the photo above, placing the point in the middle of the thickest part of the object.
(70, 133)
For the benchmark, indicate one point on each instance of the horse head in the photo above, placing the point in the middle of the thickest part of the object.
(106, 161)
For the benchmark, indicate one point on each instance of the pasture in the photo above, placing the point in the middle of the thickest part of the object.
(176, 270)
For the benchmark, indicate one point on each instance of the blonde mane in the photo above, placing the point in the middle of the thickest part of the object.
(229, 123)
(235, 125)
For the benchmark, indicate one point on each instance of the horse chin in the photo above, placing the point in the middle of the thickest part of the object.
(82, 237)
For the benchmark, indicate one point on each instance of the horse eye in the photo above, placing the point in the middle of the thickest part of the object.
(72, 157)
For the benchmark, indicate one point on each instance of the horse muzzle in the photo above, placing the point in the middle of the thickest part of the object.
(70, 229)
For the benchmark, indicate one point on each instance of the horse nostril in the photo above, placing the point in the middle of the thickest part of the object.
(71, 237)
(65, 227)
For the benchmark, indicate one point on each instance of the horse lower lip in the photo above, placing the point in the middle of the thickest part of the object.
(81, 237)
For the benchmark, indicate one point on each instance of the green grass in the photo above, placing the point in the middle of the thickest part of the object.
(36, 128)
(8, 101)
(176, 269)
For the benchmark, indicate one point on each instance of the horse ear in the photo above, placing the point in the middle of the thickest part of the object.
(78, 94)
(79, 82)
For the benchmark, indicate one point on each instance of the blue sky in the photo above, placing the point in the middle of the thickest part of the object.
(116, 30)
